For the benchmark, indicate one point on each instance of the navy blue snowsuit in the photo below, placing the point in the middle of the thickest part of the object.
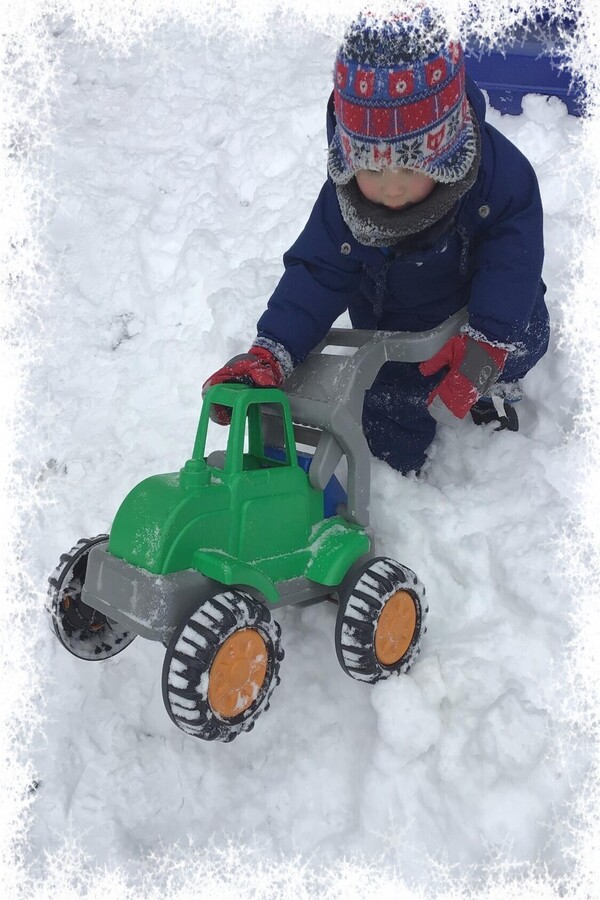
(490, 259)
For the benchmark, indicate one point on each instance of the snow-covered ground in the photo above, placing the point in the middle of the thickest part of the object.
(181, 172)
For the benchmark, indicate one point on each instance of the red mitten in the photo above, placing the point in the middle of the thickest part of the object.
(258, 367)
(473, 367)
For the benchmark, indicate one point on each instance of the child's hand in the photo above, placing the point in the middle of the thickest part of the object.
(473, 367)
(257, 368)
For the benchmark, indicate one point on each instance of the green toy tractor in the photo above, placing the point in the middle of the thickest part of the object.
(199, 559)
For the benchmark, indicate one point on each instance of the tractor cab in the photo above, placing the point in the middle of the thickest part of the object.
(246, 449)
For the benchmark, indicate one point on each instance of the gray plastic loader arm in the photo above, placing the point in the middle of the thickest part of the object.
(326, 394)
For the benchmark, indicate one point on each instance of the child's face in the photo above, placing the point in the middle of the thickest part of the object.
(394, 188)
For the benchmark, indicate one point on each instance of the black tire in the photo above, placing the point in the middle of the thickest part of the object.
(234, 623)
(379, 584)
(82, 630)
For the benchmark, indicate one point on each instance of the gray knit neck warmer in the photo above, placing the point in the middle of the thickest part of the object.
(377, 226)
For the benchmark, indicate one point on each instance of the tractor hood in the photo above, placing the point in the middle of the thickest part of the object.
(156, 526)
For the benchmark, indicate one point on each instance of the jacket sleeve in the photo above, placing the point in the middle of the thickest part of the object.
(316, 285)
(510, 250)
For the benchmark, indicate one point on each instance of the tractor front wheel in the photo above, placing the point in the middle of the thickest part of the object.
(221, 667)
(380, 620)
(83, 631)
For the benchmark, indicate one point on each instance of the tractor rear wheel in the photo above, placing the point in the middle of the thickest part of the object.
(221, 667)
(82, 630)
(380, 620)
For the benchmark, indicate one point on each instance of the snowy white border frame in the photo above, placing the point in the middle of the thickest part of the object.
(28, 78)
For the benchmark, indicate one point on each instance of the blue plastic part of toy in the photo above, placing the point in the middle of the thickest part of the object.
(526, 68)
(334, 493)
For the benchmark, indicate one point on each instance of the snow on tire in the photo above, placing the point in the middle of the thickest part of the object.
(221, 667)
(380, 620)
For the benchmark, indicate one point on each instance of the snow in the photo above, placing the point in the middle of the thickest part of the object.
(180, 175)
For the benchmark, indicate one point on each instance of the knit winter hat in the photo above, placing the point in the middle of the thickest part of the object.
(399, 94)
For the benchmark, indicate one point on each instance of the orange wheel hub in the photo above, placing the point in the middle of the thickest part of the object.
(237, 673)
(395, 628)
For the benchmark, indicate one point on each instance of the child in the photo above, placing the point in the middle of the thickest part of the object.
(426, 209)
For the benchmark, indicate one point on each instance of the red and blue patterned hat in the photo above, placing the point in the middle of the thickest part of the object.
(399, 94)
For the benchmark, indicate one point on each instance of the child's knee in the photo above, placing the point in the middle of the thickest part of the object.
(532, 346)
(401, 444)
